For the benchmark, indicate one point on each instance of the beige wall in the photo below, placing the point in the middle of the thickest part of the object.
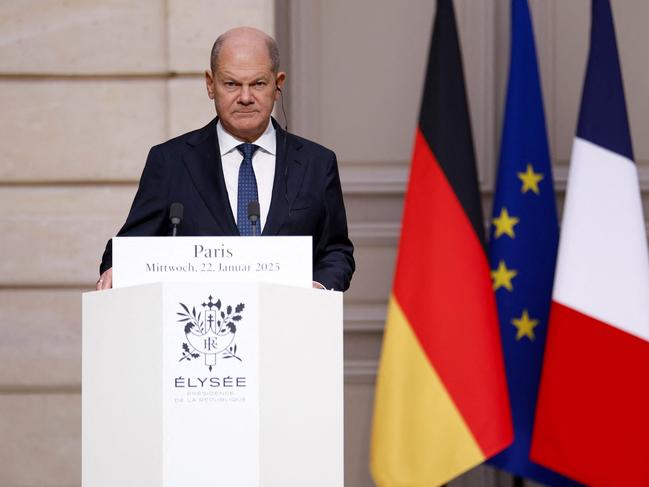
(87, 86)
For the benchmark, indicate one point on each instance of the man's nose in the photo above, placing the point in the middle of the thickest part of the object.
(245, 96)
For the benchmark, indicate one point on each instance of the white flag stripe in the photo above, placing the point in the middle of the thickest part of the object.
(603, 266)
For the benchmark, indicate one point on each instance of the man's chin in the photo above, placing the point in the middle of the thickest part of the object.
(247, 128)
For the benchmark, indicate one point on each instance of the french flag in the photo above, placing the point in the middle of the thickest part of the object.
(592, 417)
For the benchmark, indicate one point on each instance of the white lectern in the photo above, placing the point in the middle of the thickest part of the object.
(212, 385)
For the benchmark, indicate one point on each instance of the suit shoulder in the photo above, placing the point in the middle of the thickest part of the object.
(313, 148)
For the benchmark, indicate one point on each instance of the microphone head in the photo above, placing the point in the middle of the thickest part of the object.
(253, 211)
(176, 213)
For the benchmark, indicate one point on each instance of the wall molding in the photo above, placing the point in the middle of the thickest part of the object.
(383, 177)
(360, 371)
(380, 234)
(391, 177)
(363, 318)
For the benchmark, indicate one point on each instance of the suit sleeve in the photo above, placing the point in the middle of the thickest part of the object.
(333, 264)
(148, 214)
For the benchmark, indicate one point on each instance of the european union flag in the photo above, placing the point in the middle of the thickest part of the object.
(523, 245)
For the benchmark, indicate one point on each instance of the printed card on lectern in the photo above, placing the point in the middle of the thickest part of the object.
(280, 260)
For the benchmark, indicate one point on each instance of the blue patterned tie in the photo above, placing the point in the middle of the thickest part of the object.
(247, 189)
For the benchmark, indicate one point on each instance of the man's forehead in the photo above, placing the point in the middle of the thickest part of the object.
(244, 54)
(243, 72)
(246, 40)
(246, 35)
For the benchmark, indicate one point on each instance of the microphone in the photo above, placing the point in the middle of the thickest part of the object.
(253, 215)
(175, 216)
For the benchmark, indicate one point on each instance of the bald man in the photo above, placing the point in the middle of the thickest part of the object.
(295, 181)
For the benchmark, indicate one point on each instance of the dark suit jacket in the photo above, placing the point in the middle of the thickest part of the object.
(306, 198)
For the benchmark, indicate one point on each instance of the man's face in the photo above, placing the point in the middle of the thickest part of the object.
(243, 87)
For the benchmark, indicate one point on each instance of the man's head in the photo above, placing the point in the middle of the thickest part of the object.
(244, 81)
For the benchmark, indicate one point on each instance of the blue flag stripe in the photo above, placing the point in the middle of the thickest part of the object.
(604, 123)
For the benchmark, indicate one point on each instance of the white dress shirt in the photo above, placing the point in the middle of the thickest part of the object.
(263, 163)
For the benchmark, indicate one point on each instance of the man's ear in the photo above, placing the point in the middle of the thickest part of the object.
(209, 83)
(279, 83)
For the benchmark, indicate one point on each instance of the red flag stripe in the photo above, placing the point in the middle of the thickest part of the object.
(443, 286)
(593, 363)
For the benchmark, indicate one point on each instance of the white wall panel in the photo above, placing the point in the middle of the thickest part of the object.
(41, 340)
(78, 130)
(193, 27)
(71, 37)
(189, 105)
(41, 440)
(54, 236)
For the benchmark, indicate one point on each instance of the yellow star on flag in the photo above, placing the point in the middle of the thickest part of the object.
(502, 276)
(525, 326)
(504, 224)
(530, 179)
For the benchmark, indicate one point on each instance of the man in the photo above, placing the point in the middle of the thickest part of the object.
(214, 171)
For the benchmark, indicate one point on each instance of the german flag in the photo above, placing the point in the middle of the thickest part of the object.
(441, 404)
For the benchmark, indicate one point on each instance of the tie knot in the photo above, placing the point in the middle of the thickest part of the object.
(247, 150)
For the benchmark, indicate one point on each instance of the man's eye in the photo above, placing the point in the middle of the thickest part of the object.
(260, 84)
(229, 84)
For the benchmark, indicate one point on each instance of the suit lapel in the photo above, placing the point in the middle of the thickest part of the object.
(289, 172)
(203, 162)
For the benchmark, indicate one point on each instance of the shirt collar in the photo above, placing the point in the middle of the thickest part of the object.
(228, 143)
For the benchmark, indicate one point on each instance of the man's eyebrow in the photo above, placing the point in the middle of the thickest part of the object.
(258, 76)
